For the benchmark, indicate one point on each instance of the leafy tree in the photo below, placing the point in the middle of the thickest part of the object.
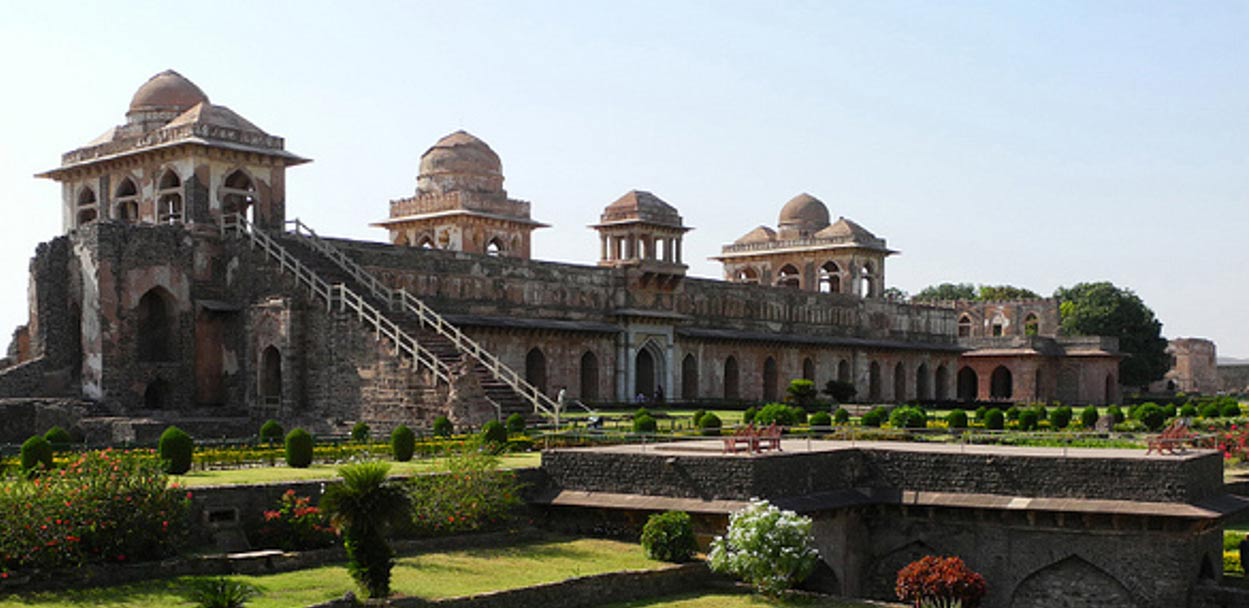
(840, 392)
(801, 392)
(990, 293)
(1102, 309)
(895, 294)
(947, 291)
(362, 506)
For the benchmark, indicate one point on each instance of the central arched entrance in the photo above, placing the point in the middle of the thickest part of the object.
(1001, 383)
(966, 384)
(647, 370)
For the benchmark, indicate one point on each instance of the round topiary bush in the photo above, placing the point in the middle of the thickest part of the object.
(1151, 416)
(842, 416)
(749, 415)
(907, 417)
(360, 432)
(642, 411)
(1061, 417)
(1210, 410)
(775, 413)
(1170, 411)
(271, 431)
(939, 581)
(957, 419)
(1013, 413)
(442, 427)
(299, 446)
(494, 433)
(36, 454)
(174, 449)
(799, 414)
(402, 443)
(1027, 419)
(1116, 413)
(710, 424)
(669, 536)
(58, 437)
(1188, 411)
(696, 417)
(644, 424)
(515, 423)
(979, 414)
(874, 417)
(819, 419)
(1230, 410)
(993, 419)
(1090, 416)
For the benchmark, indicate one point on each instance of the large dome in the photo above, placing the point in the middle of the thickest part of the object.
(460, 161)
(804, 212)
(168, 91)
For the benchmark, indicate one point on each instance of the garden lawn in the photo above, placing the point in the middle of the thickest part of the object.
(430, 576)
(282, 473)
(728, 600)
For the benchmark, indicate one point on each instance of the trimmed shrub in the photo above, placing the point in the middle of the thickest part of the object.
(493, 432)
(669, 536)
(58, 436)
(994, 419)
(749, 415)
(442, 427)
(842, 416)
(767, 547)
(1061, 417)
(299, 447)
(819, 419)
(801, 392)
(1090, 416)
(1210, 410)
(1027, 420)
(874, 417)
(957, 419)
(221, 592)
(776, 413)
(1188, 411)
(271, 431)
(644, 424)
(36, 453)
(1170, 411)
(642, 411)
(360, 432)
(696, 417)
(710, 424)
(515, 423)
(1151, 416)
(1231, 410)
(940, 581)
(1041, 411)
(979, 414)
(907, 417)
(799, 414)
(402, 443)
(175, 449)
(1116, 413)
(841, 392)
(1013, 413)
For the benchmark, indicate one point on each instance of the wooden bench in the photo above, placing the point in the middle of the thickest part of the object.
(771, 438)
(744, 436)
(1172, 441)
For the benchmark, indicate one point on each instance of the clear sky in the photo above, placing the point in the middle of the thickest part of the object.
(1038, 144)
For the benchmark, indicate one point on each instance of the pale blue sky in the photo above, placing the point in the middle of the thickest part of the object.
(1039, 144)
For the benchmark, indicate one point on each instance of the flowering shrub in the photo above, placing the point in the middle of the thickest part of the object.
(296, 525)
(767, 547)
(104, 506)
(940, 582)
(473, 494)
(1232, 442)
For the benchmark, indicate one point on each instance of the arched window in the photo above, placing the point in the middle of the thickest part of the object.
(844, 371)
(810, 370)
(831, 280)
(425, 242)
(86, 207)
(923, 379)
(126, 203)
(875, 382)
(536, 369)
(964, 327)
(730, 379)
(690, 378)
(966, 384)
(1031, 324)
(238, 193)
(997, 325)
(769, 378)
(156, 395)
(788, 276)
(901, 383)
(86, 216)
(402, 240)
(940, 383)
(588, 376)
(1001, 383)
(747, 275)
(169, 198)
(156, 322)
(271, 376)
(867, 281)
(495, 247)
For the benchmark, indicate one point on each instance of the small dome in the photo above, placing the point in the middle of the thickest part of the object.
(845, 228)
(460, 161)
(760, 234)
(804, 212)
(643, 206)
(168, 91)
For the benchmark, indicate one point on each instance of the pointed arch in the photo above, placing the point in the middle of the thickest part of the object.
(964, 326)
(940, 383)
(425, 242)
(495, 247)
(769, 379)
(126, 201)
(1001, 383)
(831, 278)
(1050, 587)
(156, 395)
(536, 369)
(87, 211)
(1031, 324)
(169, 208)
(690, 378)
(238, 193)
(868, 281)
(966, 384)
(747, 275)
(588, 377)
(156, 325)
(901, 383)
(875, 382)
(788, 276)
(649, 365)
(270, 384)
(844, 370)
(729, 378)
(810, 369)
(922, 383)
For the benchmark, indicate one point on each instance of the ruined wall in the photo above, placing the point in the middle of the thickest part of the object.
(1008, 315)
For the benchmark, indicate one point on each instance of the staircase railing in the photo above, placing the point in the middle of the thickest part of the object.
(403, 344)
(542, 404)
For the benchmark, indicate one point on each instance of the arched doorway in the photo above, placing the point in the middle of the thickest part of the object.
(536, 369)
(810, 370)
(940, 383)
(729, 389)
(831, 280)
(875, 382)
(645, 372)
(690, 378)
(923, 378)
(238, 194)
(901, 383)
(844, 371)
(588, 377)
(271, 376)
(769, 378)
(156, 326)
(966, 384)
(156, 396)
(788, 276)
(1001, 383)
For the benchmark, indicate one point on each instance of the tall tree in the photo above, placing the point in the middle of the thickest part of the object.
(1103, 309)
(987, 293)
(947, 291)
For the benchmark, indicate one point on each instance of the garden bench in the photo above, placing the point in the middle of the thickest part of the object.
(771, 438)
(1173, 440)
(745, 436)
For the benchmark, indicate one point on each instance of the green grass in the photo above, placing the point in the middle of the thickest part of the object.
(282, 473)
(430, 576)
(728, 600)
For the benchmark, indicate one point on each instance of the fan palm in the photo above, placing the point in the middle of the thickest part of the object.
(362, 507)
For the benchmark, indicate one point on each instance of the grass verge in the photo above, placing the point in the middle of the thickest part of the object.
(282, 473)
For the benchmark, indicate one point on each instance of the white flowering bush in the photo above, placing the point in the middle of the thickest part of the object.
(767, 547)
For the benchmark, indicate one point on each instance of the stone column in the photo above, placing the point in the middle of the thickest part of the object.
(603, 246)
(677, 250)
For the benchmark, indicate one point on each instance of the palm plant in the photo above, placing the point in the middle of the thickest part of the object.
(221, 592)
(362, 507)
